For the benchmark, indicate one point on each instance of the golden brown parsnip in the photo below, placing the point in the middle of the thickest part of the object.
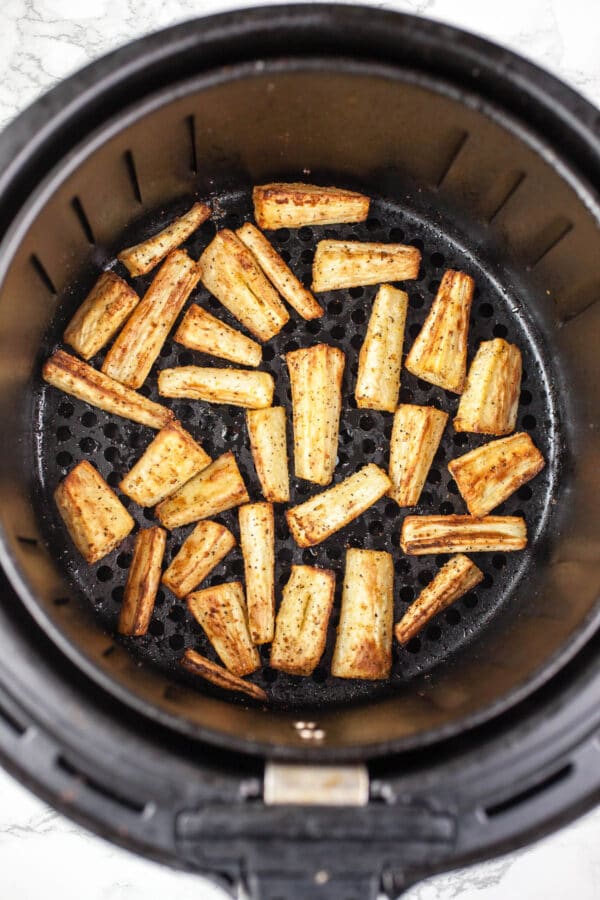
(491, 397)
(302, 619)
(462, 534)
(268, 442)
(236, 387)
(257, 540)
(141, 258)
(221, 612)
(74, 377)
(439, 353)
(218, 487)
(293, 204)
(95, 517)
(196, 664)
(380, 358)
(101, 314)
(363, 647)
(201, 331)
(346, 264)
(200, 553)
(416, 435)
(143, 580)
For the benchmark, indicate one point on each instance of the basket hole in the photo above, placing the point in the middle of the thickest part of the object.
(334, 553)
(359, 316)
(87, 445)
(452, 487)
(373, 224)
(485, 310)
(305, 234)
(268, 354)
(525, 492)
(525, 398)
(434, 633)
(437, 260)
(424, 577)
(291, 346)
(500, 331)
(156, 628)
(396, 235)
(366, 422)
(269, 675)
(487, 581)
(356, 341)
(117, 593)
(391, 510)
(401, 566)
(434, 476)
(124, 560)
(89, 419)
(368, 446)
(433, 286)
(446, 508)
(314, 326)
(64, 458)
(376, 528)
(356, 293)
(66, 409)
(460, 439)
(529, 422)
(407, 594)
(335, 307)
(111, 430)
(471, 601)
(319, 676)
(176, 642)
(452, 616)
(114, 479)
(63, 433)
(185, 358)
(104, 573)
(416, 301)
(414, 645)
(498, 560)
(418, 243)
(338, 332)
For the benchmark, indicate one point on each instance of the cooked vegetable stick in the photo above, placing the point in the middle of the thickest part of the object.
(268, 442)
(218, 487)
(141, 258)
(281, 205)
(221, 612)
(316, 519)
(316, 380)
(95, 517)
(462, 534)
(238, 387)
(142, 581)
(279, 273)
(166, 464)
(196, 664)
(346, 264)
(491, 397)
(101, 314)
(380, 358)
(363, 647)
(135, 350)
(200, 553)
(257, 540)
(489, 474)
(439, 353)
(230, 272)
(416, 435)
(456, 578)
(301, 627)
(69, 374)
(201, 331)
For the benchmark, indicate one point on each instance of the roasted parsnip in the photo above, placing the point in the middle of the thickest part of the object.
(230, 272)
(142, 258)
(291, 205)
(142, 581)
(279, 273)
(135, 350)
(74, 377)
(257, 540)
(457, 577)
(237, 387)
(221, 612)
(196, 664)
(268, 442)
(491, 397)
(201, 331)
(489, 474)
(316, 380)
(439, 353)
(363, 647)
(316, 519)
(200, 553)
(416, 435)
(166, 464)
(380, 358)
(302, 619)
(462, 534)
(95, 517)
(346, 264)
(218, 487)
(101, 314)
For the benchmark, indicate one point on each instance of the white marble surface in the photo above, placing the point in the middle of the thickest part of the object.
(44, 854)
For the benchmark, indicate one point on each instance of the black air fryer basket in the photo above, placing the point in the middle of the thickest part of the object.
(486, 735)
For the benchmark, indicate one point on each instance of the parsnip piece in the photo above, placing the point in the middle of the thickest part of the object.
(135, 350)
(218, 487)
(142, 581)
(201, 331)
(491, 397)
(74, 377)
(230, 272)
(166, 464)
(268, 442)
(416, 435)
(302, 619)
(95, 517)
(294, 204)
(279, 273)
(462, 534)
(380, 358)
(237, 387)
(257, 539)
(346, 264)
(489, 474)
(456, 578)
(196, 664)
(439, 353)
(363, 648)
(101, 314)
(200, 553)
(316, 380)
(221, 612)
(318, 518)
(141, 258)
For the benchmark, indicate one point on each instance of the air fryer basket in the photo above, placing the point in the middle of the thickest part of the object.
(488, 166)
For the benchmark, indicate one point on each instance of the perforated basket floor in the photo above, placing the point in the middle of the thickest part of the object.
(71, 431)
